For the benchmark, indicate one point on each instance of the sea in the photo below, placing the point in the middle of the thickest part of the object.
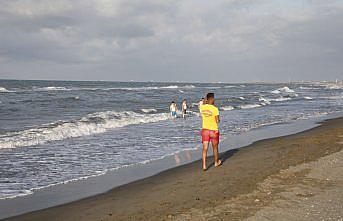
(55, 132)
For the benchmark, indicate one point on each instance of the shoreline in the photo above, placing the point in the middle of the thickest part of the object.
(128, 202)
(60, 194)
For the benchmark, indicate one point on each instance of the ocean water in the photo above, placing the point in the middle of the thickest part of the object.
(53, 132)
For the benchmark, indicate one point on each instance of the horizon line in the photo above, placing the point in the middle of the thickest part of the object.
(180, 82)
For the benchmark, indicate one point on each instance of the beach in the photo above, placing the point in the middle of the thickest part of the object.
(295, 177)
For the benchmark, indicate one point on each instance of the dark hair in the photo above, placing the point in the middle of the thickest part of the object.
(209, 96)
(173, 102)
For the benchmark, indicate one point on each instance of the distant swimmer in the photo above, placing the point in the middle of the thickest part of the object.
(184, 108)
(210, 131)
(173, 109)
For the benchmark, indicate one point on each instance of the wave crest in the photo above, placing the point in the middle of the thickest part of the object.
(2, 89)
(283, 90)
(94, 123)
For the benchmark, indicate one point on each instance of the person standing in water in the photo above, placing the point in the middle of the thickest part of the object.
(173, 109)
(210, 131)
(184, 108)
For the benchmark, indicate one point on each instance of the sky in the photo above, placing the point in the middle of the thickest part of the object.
(172, 40)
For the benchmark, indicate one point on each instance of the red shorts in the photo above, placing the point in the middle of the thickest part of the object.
(210, 136)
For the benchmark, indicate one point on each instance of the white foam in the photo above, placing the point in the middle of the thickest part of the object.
(97, 174)
(150, 88)
(333, 97)
(230, 86)
(333, 86)
(170, 87)
(307, 88)
(281, 99)
(269, 100)
(227, 108)
(52, 88)
(149, 110)
(94, 123)
(264, 100)
(308, 98)
(175, 87)
(283, 90)
(249, 106)
(242, 98)
(2, 89)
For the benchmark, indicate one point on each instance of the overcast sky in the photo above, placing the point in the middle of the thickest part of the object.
(172, 40)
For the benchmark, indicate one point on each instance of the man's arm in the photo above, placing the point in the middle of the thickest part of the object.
(217, 119)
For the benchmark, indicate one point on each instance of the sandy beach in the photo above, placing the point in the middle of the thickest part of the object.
(296, 177)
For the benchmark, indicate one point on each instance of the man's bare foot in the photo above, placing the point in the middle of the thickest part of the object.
(218, 163)
(204, 168)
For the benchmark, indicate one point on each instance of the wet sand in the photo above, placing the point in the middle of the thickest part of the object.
(296, 177)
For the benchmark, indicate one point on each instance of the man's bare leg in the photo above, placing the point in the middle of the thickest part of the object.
(204, 154)
(217, 162)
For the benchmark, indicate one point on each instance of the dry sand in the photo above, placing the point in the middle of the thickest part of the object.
(297, 177)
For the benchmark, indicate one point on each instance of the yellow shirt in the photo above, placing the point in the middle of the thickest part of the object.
(208, 114)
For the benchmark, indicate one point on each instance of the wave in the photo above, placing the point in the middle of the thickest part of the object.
(227, 108)
(249, 106)
(151, 110)
(333, 97)
(264, 101)
(281, 99)
(52, 88)
(2, 89)
(94, 123)
(269, 100)
(58, 88)
(333, 86)
(282, 90)
(84, 177)
(308, 88)
(143, 88)
(308, 98)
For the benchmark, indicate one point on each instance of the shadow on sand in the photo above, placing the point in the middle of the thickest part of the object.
(224, 156)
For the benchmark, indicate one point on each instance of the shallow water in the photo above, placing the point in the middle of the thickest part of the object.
(53, 132)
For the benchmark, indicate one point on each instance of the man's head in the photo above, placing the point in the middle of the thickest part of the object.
(210, 98)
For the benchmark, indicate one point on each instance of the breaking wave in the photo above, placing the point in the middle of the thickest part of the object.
(94, 123)
(250, 106)
(282, 90)
(52, 88)
(2, 89)
(151, 110)
(227, 108)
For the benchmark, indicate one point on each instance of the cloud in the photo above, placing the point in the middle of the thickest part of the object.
(234, 40)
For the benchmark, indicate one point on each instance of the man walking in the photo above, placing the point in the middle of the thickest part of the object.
(210, 131)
